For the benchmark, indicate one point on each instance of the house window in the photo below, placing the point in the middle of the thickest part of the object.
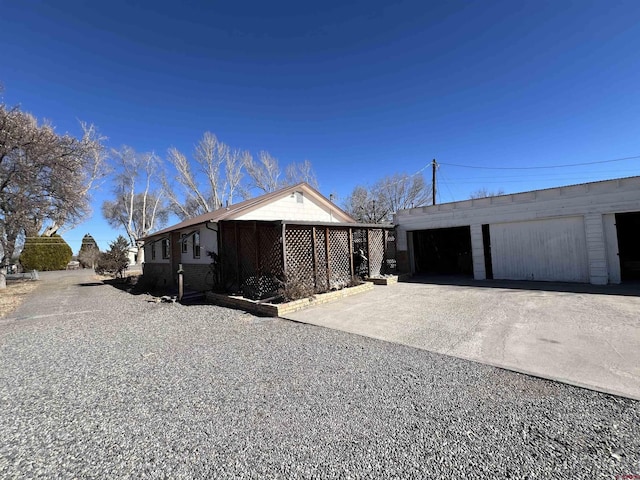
(299, 197)
(196, 245)
(153, 250)
(165, 248)
(183, 243)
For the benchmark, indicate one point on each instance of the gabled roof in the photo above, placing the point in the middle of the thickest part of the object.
(237, 209)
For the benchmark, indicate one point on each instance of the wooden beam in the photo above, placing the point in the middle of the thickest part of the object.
(284, 251)
(314, 252)
(353, 273)
(237, 255)
(327, 251)
(368, 252)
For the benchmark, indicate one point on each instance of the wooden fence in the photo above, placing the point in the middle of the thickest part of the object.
(260, 258)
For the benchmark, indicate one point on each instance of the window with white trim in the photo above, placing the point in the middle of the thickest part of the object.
(183, 242)
(196, 244)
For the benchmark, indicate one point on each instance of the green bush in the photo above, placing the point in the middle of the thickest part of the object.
(115, 260)
(45, 253)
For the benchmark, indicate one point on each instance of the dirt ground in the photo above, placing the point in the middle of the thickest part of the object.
(15, 293)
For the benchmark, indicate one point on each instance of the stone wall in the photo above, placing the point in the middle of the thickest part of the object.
(158, 274)
(195, 277)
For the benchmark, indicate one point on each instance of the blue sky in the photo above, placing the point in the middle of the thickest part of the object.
(362, 89)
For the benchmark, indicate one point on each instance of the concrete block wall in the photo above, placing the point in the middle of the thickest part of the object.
(195, 276)
(160, 273)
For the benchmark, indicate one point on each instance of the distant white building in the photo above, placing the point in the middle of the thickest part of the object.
(580, 233)
(132, 255)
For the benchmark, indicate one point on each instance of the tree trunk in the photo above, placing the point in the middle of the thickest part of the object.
(140, 254)
(3, 278)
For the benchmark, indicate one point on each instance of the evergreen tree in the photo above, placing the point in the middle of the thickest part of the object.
(89, 252)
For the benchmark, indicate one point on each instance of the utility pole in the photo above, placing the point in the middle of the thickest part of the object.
(434, 165)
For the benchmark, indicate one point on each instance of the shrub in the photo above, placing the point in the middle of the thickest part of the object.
(45, 253)
(296, 287)
(89, 252)
(115, 260)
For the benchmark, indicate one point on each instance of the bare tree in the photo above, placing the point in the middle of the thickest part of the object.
(264, 173)
(214, 181)
(387, 196)
(45, 178)
(139, 205)
(402, 191)
(361, 205)
(484, 192)
(301, 172)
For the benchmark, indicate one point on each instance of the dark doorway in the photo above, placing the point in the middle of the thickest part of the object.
(444, 251)
(628, 227)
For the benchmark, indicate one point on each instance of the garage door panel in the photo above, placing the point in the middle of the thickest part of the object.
(552, 250)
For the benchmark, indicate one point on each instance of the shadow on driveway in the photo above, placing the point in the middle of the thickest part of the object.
(625, 289)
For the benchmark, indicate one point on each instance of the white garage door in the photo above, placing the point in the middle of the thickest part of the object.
(552, 250)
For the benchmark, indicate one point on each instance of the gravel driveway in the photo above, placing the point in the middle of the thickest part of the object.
(97, 383)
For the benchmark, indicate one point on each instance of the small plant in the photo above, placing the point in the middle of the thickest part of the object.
(296, 287)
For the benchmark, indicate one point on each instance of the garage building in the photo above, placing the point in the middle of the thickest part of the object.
(587, 233)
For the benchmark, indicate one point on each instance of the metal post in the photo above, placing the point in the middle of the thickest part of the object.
(180, 282)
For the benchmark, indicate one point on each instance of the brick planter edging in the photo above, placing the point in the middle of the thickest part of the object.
(279, 309)
(401, 277)
(383, 280)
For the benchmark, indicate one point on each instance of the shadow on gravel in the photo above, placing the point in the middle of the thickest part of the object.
(630, 289)
(91, 284)
(135, 286)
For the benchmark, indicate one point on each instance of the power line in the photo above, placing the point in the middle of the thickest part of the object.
(539, 167)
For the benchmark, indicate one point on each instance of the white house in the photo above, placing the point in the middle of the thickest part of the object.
(192, 242)
(580, 233)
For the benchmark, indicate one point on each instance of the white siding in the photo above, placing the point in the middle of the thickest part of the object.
(611, 245)
(596, 253)
(208, 243)
(552, 250)
(158, 248)
(477, 251)
(291, 208)
(613, 196)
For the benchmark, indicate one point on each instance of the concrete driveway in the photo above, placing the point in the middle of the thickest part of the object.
(578, 334)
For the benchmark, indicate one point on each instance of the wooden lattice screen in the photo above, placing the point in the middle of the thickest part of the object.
(320, 257)
(251, 258)
(376, 251)
(339, 258)
(316, 257)
(299, 256)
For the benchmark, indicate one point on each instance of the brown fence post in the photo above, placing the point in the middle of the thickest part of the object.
(327, 250)
(368, 252)
(284, 252)
(314, 251)
(353, 273)
(235, 224)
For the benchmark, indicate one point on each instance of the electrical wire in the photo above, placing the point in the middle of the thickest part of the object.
(538, 167)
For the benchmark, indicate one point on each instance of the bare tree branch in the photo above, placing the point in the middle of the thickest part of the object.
(215, 180)
(387, 196)
(301, 172)
(139, 205)
(264, 173)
